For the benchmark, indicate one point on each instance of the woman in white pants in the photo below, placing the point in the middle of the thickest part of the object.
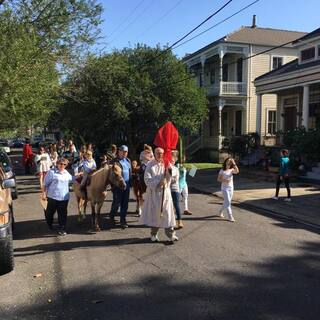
(225, 176)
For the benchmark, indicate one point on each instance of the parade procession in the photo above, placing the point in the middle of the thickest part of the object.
(159, 160)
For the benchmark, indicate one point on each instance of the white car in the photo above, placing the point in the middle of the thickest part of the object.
(5, 145)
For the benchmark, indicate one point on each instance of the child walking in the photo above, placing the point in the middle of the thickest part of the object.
(283, 175)
(183, 186)
(175, 192)
(225, 176)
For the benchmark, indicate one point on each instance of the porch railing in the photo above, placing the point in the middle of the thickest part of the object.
(227, 87)
(233, 88)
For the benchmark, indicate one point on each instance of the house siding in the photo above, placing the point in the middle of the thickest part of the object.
(260, 65)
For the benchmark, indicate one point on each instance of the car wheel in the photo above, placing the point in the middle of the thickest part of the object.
(14, 194)
(6, 255)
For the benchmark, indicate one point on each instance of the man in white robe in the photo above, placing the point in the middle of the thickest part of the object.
(157, 179)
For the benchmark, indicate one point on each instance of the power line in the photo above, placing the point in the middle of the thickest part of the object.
(239, 11)
(126, 18)
(137, 17)
(194, 29)
(243, 59)
(217, 24)
(159, 19)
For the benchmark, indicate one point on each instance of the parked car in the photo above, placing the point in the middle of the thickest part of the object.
(18, 143)
(6, 221)
(6, 164)
(4, 144)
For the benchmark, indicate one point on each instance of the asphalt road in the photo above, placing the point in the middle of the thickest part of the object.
(256, 268)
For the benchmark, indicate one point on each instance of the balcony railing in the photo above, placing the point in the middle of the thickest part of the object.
(226, 88)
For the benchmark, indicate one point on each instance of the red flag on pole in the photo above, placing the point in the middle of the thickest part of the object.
(167, 139)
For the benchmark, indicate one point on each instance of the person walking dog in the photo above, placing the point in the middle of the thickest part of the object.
(225, 176)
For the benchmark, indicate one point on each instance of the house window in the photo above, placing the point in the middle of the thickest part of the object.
(212, 76)
(239, 70)
(308, 54)
(225, 71)
(277, 62)
(272, 122)
(314, 107)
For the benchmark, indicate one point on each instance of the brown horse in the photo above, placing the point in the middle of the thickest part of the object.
(96, 191)
(138, 185)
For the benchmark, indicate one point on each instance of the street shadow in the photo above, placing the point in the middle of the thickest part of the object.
(297, 215)
(74, 245)
(280, 287)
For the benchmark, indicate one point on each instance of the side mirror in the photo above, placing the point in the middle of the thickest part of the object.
(8, 183)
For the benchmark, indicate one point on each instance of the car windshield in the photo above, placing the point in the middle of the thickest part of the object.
(4, 160)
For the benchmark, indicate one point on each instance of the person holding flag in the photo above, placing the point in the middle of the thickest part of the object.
(158, 210)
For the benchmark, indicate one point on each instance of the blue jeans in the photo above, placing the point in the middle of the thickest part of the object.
(120, 199)
(176, 203)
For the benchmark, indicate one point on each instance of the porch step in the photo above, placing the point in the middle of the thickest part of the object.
(316, 170)
(313, 175)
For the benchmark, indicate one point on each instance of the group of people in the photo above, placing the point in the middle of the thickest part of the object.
(166, 186)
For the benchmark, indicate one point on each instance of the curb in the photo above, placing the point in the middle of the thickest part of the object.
(263, 210)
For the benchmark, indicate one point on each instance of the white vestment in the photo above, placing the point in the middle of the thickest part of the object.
(151, 211)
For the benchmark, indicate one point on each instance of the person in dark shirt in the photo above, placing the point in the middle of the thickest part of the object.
(283, 175)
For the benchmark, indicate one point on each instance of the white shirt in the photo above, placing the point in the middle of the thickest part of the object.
(227, 177)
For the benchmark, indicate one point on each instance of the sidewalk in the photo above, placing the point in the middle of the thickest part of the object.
(253, 193)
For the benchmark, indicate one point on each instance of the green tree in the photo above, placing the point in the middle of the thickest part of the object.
(39, 41)
(125, 96)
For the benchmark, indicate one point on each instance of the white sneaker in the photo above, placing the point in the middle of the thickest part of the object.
(154, 238)
(174, 238)
(275, 198)
(232, 219)
(221, 215)
(287, 199)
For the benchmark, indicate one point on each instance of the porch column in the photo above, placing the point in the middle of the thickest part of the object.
(203, 61)
(258, 115)
(221, 54)
(220, 107)
(305, 107)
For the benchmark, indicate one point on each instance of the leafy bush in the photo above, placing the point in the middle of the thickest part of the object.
(239, 146)
(305, 143)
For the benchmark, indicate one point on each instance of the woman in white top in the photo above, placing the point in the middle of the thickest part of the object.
(43, 162)
(53, 154)
(225, 176)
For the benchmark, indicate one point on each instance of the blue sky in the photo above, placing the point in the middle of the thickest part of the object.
(127, 22)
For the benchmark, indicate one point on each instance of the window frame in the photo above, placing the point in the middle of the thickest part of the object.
(309, 59)
(276, 57)
(272, 123)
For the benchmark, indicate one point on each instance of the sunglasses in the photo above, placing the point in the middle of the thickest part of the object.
(62, 164)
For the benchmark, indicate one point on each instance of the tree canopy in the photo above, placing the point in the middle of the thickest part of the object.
(123, 97)
(38, 39)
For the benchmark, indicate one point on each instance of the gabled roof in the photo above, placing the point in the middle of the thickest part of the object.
(287, 68)
(263, 36)
(256, 36)
(310, 35)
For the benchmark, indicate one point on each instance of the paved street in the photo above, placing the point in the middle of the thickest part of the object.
(260, 267)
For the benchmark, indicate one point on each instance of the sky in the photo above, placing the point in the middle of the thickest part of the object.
(163, 22)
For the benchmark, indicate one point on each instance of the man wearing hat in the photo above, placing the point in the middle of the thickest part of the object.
(121, 197)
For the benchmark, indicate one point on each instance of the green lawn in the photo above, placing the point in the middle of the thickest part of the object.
(203, 165)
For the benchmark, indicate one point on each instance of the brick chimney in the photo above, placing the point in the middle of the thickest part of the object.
(254, 21)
